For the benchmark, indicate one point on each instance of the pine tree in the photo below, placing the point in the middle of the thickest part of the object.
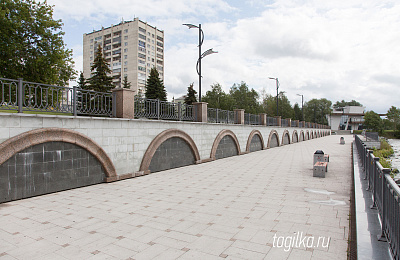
(191, 95)
(100, 81)
(125, 83)
(155, 87)
(81, 81)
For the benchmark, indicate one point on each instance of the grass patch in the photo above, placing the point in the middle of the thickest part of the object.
(384, 153)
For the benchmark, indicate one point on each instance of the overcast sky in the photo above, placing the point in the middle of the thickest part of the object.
(332, 49)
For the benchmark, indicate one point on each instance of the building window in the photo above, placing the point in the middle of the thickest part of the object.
(160, 50)
(126, 37)
(148, 64)
(126, 43)
(141, 55)
(148, 58)
(142, 49)
(126, 50)
(142, 30)
(91, 46)
(125, 63)
(125, 69)
(141, 36)
(160, 38)
(152, 59)
(141, 68)
(152, 35)
(91, 58)
(91, 52)
(125, 57)
(98, 38)
(152, 41)
(141, 62)
(142, 44)
(148, 33)
(159, 44)
(126, 31)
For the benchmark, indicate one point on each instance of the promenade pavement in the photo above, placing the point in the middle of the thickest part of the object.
(262, 205)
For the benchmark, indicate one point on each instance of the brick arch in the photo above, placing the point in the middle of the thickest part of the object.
(219, 138)
(161, 138)
(254, 132)
(271, 135)
(301, 136)
(294, 134)
(43, 135)
(286, 132)
(311, 134)
(307, 136)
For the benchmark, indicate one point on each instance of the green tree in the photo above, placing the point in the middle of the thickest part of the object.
(315, 110)
(191, 95)
(393, 114)
(297, 112)
(373, 121)
(125, 83)
(285, 109)
(346, 103)
(245, 99)
(81, 81)
(31, 43)
(217, 98)
(100, 81)
(155, 87)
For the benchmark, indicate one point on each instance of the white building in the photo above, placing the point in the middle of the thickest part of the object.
(131, 48)
(346, 118)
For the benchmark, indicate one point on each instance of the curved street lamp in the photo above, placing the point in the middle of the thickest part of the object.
(277, 94)
(302, 111)
(201, 55)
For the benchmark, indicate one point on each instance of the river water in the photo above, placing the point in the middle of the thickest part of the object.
(395, 143)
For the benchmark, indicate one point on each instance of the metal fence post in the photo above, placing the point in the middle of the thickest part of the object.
(158, 109)
(179, 111)
(368, 168)
(74, 101)
(20, 95)
(374, 173)
(382, 237)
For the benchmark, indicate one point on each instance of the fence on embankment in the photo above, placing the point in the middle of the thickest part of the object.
(385, 194)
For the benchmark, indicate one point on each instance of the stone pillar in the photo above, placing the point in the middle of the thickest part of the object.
(289, 122)
(303, 123)
(297, 123)
(200, 112)
(278, 120)
(239, 116)
(263, 119)
(123, 102)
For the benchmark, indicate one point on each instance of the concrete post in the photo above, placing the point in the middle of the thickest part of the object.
(200, 111)
(124, 102)
(263, 119)
(289, 122)
(303, 124)
(239, 116)
(297, 123)
(278, 120)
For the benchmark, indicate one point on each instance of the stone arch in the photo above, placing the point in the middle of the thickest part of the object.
(160, 139)
(218, 139)
(301, 137)
(295, 137)
(285, 137)
(250, 139)
(307, 136)
(311, 134)
(43, 135)
(273, 139)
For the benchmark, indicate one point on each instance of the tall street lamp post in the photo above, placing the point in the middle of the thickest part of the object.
(302, 111)
(277, 94)
(201, 55)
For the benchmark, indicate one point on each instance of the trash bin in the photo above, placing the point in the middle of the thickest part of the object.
(342, 140)
(318, 156)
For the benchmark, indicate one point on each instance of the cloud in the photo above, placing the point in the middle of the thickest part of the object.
(332, 49)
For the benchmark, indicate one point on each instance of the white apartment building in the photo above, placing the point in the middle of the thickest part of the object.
(131, 48)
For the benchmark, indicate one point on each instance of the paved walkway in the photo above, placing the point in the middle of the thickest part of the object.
(263, 205)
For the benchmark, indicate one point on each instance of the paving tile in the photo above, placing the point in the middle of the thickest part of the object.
(226, 209)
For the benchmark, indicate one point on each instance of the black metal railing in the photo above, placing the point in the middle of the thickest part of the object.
(251, 119)
(216, 115)
(156, 109)
(35, 97)
(386, 194)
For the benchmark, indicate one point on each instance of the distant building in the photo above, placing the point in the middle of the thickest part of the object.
(131, 48)
(346, 118)
(180, 99)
